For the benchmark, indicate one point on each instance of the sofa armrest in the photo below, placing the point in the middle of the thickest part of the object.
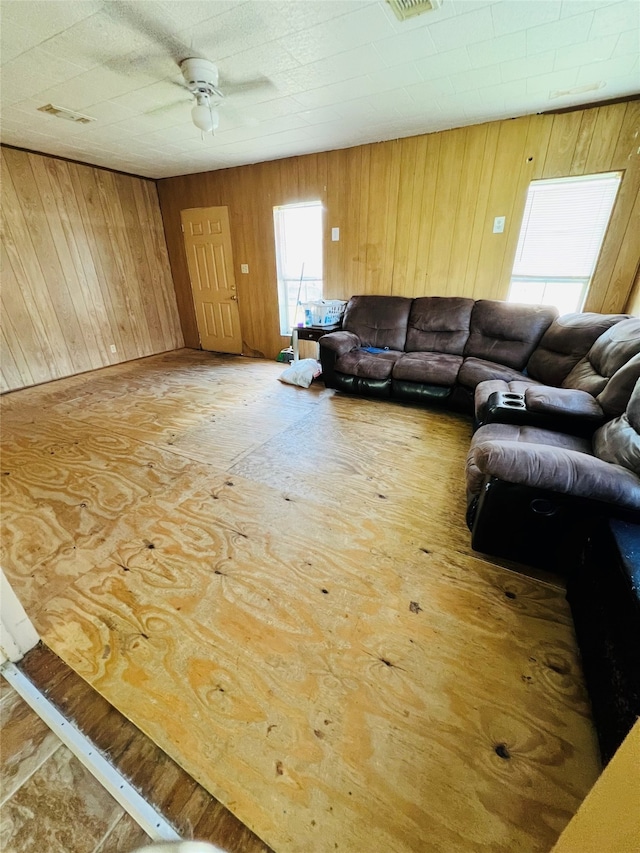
(332, 346)
(340, 342)
(562, 401)
(558, 469)
(564, 410)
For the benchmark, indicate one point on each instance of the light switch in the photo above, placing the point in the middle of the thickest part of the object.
(498, 224)
(335, 234)
(244, 268)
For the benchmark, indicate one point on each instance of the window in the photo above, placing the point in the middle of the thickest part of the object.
(563, 227)
(298, 231)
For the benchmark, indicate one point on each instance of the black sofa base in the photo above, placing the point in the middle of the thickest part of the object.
(534, 526)
(394, 389)
(605, 605)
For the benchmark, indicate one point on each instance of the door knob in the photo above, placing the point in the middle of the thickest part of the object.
(234, 297)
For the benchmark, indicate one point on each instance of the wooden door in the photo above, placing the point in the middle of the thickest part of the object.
(207, 243)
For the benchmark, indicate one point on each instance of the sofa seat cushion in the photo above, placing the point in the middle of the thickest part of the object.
(507, 333)
(439, 324)
(485, 389)
(515, 435)
(433, 368)
(476, 370)
(368, 365)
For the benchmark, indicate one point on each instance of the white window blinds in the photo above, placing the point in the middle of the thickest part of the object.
(564, 225)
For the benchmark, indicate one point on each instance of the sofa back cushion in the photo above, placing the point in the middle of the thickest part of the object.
(568, 339)
(379, 321)
(507, 333)
(439, 324)
(618, 441)
(615, 397)
(609, 353)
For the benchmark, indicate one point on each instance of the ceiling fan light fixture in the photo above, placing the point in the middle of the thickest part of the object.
(204, 117)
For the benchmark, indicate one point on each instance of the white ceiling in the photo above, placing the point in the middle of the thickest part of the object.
(341, 72)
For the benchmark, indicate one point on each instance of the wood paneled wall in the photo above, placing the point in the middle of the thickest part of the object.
(84, 266)
(633, 303)
(415, 215)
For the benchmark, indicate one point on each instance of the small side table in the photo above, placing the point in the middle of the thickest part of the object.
(308, 333)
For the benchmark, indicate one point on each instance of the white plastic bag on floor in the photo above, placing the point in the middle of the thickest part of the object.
(301, 372)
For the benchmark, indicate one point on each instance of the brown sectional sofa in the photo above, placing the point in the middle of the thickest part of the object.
(541, 385)
(432, 348)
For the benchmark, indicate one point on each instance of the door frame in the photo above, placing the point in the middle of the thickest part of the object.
(17, 634)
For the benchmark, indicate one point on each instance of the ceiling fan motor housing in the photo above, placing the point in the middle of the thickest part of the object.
(201, 75)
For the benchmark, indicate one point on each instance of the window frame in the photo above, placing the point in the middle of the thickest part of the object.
(550, 280)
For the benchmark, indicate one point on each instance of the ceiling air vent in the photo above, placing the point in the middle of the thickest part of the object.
(410, 8)
(69, 115)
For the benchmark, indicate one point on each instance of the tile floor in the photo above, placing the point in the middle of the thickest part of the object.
(49, 803)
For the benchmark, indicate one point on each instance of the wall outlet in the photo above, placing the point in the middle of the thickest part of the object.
(244, 268)
(335, 234)
(113, 348)
(498, 224)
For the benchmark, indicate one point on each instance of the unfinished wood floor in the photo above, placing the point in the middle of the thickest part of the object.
(276, 585)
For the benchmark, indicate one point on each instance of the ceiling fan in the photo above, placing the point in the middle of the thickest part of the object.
(200, 76)
(201, 79)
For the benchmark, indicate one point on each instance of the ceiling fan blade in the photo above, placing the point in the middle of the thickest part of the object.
(130, 15)
(241, 86)
(183, 103)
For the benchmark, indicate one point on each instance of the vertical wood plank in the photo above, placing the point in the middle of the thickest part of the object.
(85, 266)
(614, 271)
(509, 154)
(68, 279)
(480, 211)
(422, 286)
(605, 136)
(562, 144)
(471, 176)
(626, 254)
(532, 160)
(28, 273)
(583, 141)
(445, 210)
(633, 302)
(77, 240)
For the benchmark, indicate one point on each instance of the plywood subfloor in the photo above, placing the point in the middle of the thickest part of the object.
(277, 586)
